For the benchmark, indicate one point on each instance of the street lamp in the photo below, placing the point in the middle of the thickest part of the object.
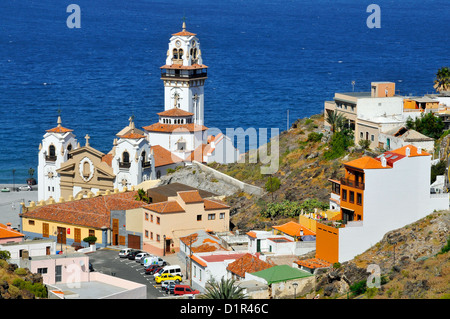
(295, 289)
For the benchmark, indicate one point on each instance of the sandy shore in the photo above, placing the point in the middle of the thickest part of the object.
(10, 203)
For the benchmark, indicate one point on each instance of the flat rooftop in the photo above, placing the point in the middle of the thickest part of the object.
(87, 290)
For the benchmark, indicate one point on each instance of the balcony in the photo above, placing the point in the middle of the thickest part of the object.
(124, 165)
(146, 164)
(352, 183)
(180, 75)
(50, 158)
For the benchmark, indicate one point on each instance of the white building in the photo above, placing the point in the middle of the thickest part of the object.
(378, 195)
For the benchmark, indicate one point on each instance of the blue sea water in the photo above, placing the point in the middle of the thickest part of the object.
(264, 57)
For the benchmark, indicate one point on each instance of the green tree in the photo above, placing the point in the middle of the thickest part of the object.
(272, 184)
(5, 255)
(442, 81)
(438, 169)
(428, 124)
(225, 289)
(336, 120)
(339, 144)
(142, 196)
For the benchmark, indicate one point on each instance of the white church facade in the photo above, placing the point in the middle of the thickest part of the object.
(65, 168)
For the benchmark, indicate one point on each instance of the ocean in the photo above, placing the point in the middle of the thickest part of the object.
(265, 59)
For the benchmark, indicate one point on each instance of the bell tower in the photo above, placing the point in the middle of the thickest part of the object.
(184, 75)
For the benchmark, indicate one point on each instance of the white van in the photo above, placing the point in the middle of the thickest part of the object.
(151, 260)
(173, 270)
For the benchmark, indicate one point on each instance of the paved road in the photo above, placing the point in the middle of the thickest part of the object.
(108, 262)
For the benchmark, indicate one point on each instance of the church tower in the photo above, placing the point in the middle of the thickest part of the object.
(184, 75)
(53, 152)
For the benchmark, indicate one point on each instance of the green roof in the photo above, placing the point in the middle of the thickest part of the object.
(281, 273)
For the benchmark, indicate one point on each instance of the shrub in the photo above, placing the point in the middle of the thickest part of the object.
(20, 271)
(314, 137)
(358, 288)
(90, 239)
(5, 255)
(37, 289)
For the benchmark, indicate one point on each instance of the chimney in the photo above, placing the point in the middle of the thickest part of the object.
(8, 226)
(419, 150)
(383, 161)
(408, 152)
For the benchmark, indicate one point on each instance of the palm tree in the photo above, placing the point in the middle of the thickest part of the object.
(442, 82)
(225, 289)
(336, 120)
(142, 196)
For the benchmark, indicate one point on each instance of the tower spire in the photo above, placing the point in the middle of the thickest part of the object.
(59, 117)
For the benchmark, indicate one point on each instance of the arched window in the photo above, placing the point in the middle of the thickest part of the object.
(52, 150)
(125, 157)
(175, 54)
(158, 174)
(180, 53)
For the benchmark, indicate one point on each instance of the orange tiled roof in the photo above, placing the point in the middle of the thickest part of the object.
(108, 159)
(207, 245)
(413, 151)
(89, 212)
(190, 196)
(169, 128)
(211, 204)
(184, 33)
(175, 112)
(366, 162)
(166, 207)
(251, 234)
(164, 157)
(9, 233)
(198, 261)
(248, 263)
(59, 129)
(313, 263)
(132, 135)
(293, 229)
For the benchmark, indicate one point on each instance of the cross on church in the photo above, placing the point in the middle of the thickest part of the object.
(87, 137)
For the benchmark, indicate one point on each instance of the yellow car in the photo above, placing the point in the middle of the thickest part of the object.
(164, 277)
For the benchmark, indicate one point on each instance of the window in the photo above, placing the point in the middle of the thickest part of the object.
(146, 233)
(42, 270)
(125, 157)
(359, 198)
(352, 197)
(151, 218)
(151, 235)
(52, 151)
(222, 215)
(31, 222)
(211, 216)
(146, 216)
(199, 217)
(157, 220)
(158, 238)
(372, 137)
(91, 232)
(344, 195)
(361, 135)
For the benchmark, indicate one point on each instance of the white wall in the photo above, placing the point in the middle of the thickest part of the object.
(393, 198)
(371, 107)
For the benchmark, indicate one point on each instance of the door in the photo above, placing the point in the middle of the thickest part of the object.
(258, 245)
(134, 241)
(58, 273)
(45, 230)
(61, 237)
(77, 235)
(115, 231)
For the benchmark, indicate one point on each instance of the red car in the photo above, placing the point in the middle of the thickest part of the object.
(184, 290)
(150, 270)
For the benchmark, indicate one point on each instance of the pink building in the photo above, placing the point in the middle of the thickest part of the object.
(9, 235)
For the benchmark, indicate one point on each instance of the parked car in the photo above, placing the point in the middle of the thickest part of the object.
(170, 288)
(132, 254)
(5, 189)
(141, 255)
(123, 253)
(164, 277)
(172, 269)
(165, 284)
(184, 290)
(150, 270)
(158, 272)
(24, 188)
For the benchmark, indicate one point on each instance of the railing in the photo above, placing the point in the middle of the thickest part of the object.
(351, 183)
(49, 158)
(124, 165)
(146, 164)
(187, 76)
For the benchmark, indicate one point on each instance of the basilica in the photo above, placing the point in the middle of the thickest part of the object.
(67, 169)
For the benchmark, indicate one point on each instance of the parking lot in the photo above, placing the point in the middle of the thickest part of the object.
(108, 262)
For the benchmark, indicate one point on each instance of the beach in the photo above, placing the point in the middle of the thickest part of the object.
(10, 203)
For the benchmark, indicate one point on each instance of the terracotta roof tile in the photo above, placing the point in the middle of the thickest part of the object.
(59, 129)
(184, 33)
(169, 128)
(166, 207)
(248, 264)
(366, 162)
(211, 204)
(132, 135)
(413, 151)
(174, 112)
(184, 67)
(313, 263)
(163, 156)
(190, 197)
(89, 212)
